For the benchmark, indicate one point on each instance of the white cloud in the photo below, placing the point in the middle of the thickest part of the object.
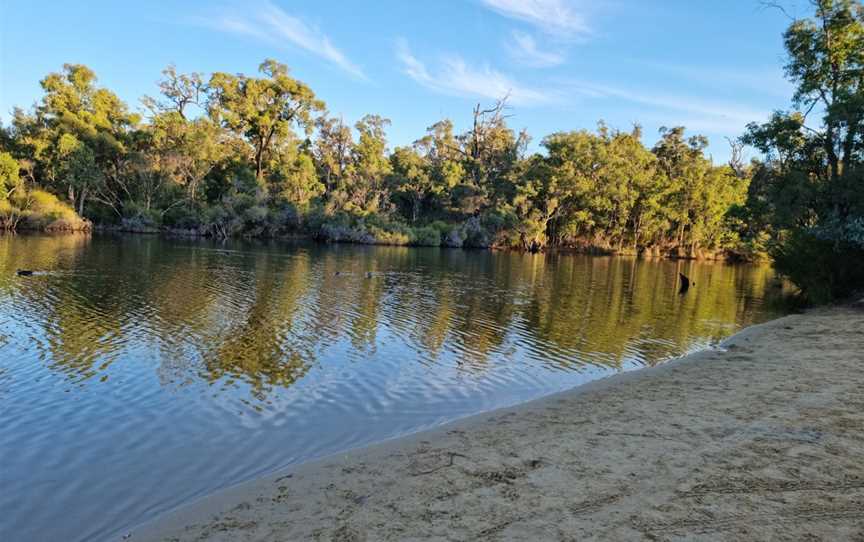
(267, 22)
(456, 77)
(553, 16)
(525, 51)
(699, 114)
(768, 81)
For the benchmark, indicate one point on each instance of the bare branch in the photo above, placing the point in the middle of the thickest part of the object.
(767, 4)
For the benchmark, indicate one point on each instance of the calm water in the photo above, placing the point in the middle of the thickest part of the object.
(138, 373)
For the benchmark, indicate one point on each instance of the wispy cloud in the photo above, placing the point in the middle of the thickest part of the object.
(701, 114)
(267, 22)
(524, 50)
(456, 77)
(769, 81)
(553, 16)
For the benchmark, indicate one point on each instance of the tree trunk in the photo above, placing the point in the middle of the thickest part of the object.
(81, 199)
(259, 165)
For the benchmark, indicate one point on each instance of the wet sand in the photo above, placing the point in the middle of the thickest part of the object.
(762, 439)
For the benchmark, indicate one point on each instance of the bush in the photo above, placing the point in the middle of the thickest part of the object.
(474, 235)
(393, 235)
(185, 217)
(822, 268)
(425, 236)
(40, 210)
(140, 220)
(285, 218)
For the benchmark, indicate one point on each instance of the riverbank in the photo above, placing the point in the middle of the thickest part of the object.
(762, 439)
(580, 247)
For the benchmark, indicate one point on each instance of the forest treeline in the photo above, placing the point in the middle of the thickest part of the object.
(233, 154)
(241, 155)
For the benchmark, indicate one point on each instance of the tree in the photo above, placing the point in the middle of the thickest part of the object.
(371, 165)
(826, 61)
(603, 185)
(490, 151)
(293, 178)
(9, 178)
(184, 152)
(79, 126)
(811, 182)
(263, 110)
(79, 170)
(179, 91)
(332, 152)
(441, 151)
(240, 154)
(682, 161)
(411, 179)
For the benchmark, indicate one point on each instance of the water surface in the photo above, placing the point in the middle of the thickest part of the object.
(138, 373)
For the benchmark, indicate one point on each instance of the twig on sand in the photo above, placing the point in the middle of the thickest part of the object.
(439, 467)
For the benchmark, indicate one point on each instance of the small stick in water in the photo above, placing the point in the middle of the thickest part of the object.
(24, 272)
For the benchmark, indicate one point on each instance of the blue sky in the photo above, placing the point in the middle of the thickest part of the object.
(711, 66)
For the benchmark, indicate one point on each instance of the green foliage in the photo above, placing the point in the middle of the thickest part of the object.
(425, 236)
(825, 270)
(79, 139)
(807, 195)
(39, 210)
(9, 175)
(231, 154)
(293, 179)
(262, 111)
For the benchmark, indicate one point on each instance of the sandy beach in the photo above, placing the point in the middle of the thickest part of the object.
(761, 439)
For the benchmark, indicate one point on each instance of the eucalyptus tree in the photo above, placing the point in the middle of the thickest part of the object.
(811, 183)
(180, 147)
(490, 150)
(332, 152)
(263, 110)
(371, 164)
(442, 154)
(293, 178)
(411, 179)
(179, 91)
(78, 137)
(820, 162)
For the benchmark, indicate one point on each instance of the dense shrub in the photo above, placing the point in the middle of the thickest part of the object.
(425, 236)
(474, 234)
(138, 219)
(183, 217)
(823, 268)
(39, 210)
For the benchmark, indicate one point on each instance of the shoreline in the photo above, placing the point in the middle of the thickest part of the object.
(637, 464)
(727, 256)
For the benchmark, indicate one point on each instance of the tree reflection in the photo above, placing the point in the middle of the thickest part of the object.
(265, 316)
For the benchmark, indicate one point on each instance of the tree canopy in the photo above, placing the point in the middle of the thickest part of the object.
(232, 154)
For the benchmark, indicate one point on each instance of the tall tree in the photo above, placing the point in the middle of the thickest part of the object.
(79, 125)
(411, 179)
(371, 165)
(263, 110)
(811, 183)
(332, 152)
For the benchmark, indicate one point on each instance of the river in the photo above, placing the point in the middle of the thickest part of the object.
(138, 373)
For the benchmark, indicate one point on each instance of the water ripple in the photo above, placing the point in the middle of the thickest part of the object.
(139, 373)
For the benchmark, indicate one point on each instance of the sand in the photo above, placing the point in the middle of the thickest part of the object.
(762, 439)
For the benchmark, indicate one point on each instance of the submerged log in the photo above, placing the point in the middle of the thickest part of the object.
(685, 283)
